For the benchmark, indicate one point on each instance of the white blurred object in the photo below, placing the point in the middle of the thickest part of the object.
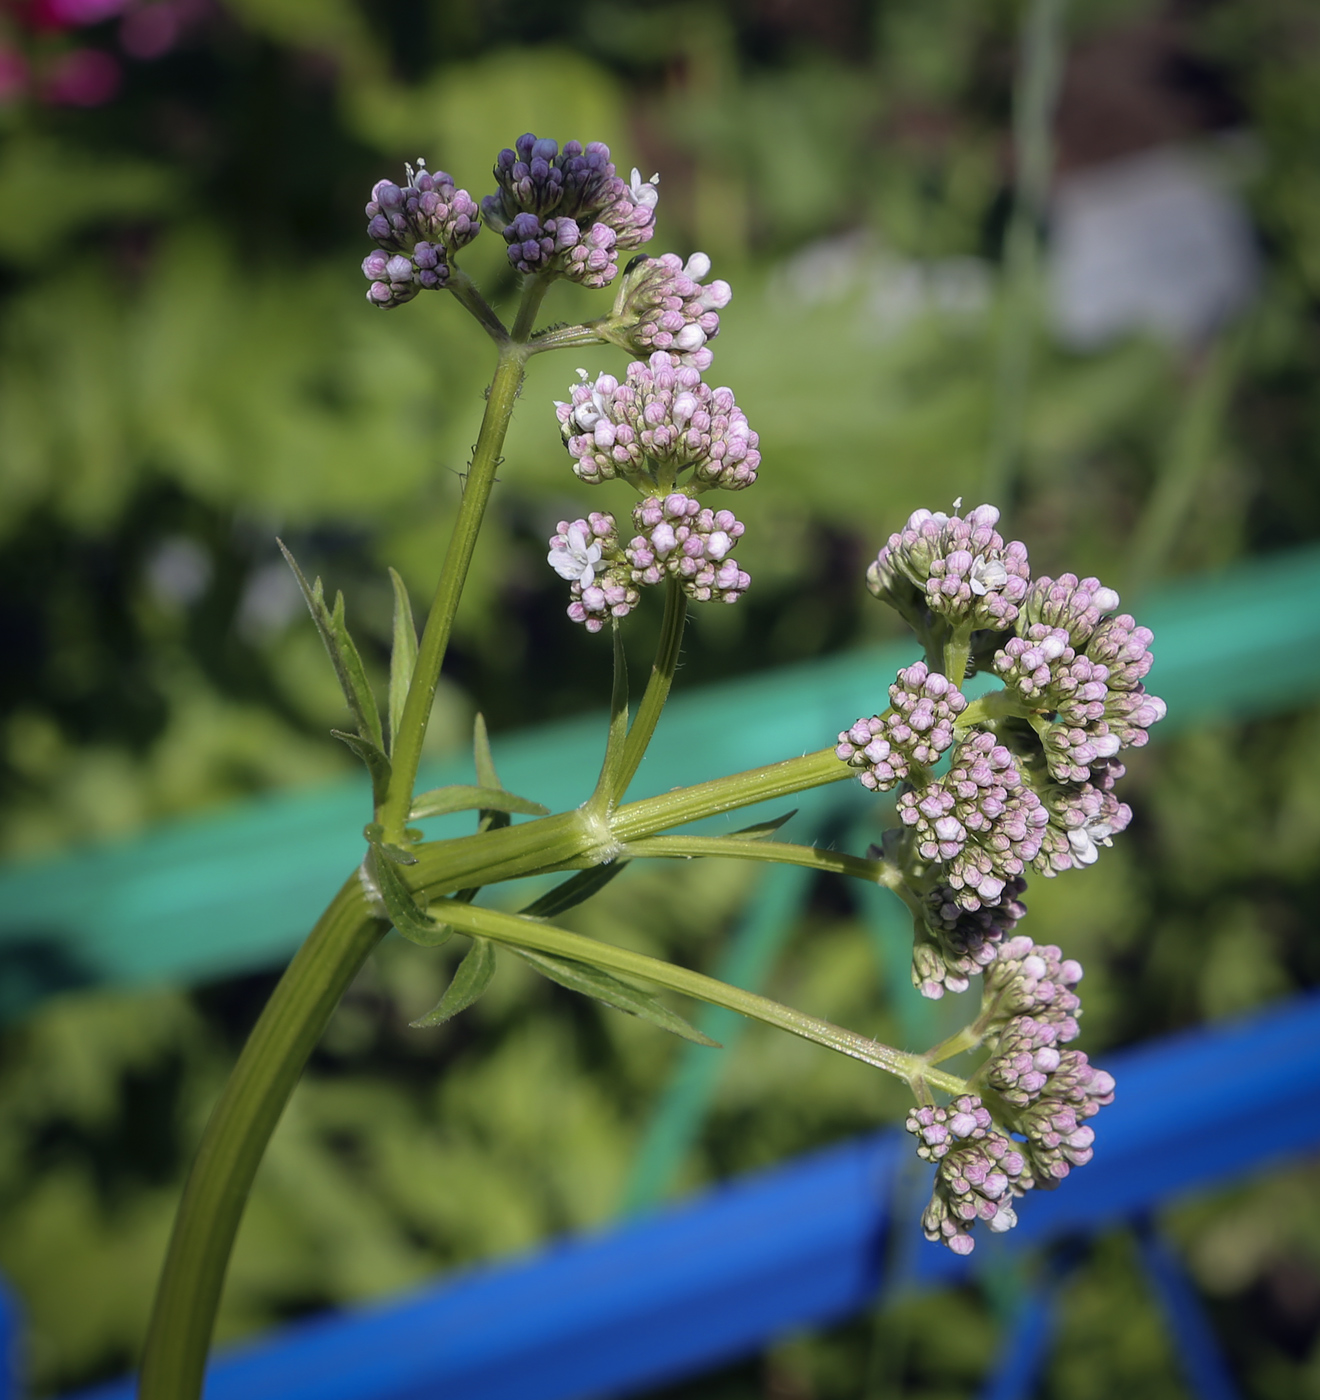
(178, 571)
(1155, 242)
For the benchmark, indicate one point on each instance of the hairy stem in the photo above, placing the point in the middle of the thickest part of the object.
(235, 1139)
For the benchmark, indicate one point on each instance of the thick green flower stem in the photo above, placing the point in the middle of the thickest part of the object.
(548, 938)
(657, 687)
(406, 746)
(653, 815)
(235, 1140)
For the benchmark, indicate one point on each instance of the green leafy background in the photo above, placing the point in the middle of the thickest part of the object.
(187, 367)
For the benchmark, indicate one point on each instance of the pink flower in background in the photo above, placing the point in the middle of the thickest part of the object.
(13, 75)
(72, 14)
(82, 78)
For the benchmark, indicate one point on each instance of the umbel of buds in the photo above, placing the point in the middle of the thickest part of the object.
(567, 212)
(663, 304)
(661, 422)
(672, 437)
(1029, 786)
(676, 538)
(419, 226)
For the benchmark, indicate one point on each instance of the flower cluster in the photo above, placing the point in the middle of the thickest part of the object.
(1032, 770)
(957, 567)
(676, 538)
(915, 730)
(979, 1173)
(661, 421)
(679, 538)
(1028, 1127)
(418, 227)
(567, 212)
(663, 304)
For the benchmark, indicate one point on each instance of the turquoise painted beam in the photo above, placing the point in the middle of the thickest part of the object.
(236, 890)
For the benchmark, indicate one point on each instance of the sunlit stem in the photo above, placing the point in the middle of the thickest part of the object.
(547, 938)
(502, 395)
(657, 688)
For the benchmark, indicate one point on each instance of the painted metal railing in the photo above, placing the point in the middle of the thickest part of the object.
(806, 1244)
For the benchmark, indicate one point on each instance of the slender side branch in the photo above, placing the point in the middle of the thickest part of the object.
(468, 293)
(653, 815)
(657, 688)
(547, 938)
(874, 872)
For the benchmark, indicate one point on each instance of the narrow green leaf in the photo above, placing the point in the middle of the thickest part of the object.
(403, 656)
(377, 764)
(461, 797)
(486, 774)
(622, 996)
(402, 909)
(763, 829)
(343, 654)
(470, 980)
(574, 891)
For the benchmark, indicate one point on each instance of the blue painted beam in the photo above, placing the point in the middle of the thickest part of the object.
(716, 1278)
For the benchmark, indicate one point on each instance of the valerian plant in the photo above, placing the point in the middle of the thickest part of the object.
(1020, 779)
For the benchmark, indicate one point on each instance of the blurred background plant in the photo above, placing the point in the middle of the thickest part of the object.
(1127, 350)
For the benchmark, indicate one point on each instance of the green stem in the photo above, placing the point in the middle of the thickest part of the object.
(957, 650)
(657, 688)
(188, 1294)
(653, 815)
(469, 295)
(966, 1039)
(547, 938)
(874, 872)
(504, 389)
(565, 337)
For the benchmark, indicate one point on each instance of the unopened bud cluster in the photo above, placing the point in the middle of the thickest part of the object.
(1030, 779)
(667, 433)
(676, 538)
(1028, 1124)
(1028, 786)
(419, 227)
(567, 212)
(663, 304)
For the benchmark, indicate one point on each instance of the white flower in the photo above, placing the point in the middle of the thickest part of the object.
(575, 558)
(986, 574)
(644, 192)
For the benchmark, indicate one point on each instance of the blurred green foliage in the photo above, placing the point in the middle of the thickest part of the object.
(187, 367)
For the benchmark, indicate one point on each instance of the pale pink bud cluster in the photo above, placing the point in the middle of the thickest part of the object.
(959, 567)
(587, 554)
(952, 944)
(1083, 817)
(681, 539)
(915, 730)
(980, 1171)
(664, 305)
(661, 418)
(1028, 979)
(1076, 605)
(980, 820)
